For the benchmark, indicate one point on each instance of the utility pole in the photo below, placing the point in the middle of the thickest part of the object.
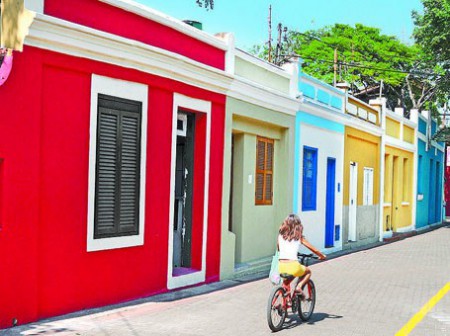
(335, 66)
(270, 33)
(278, 49)
(381, 88)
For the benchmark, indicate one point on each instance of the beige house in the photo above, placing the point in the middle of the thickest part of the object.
(258, 163)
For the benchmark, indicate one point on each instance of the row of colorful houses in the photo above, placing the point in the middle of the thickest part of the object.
(140, 155)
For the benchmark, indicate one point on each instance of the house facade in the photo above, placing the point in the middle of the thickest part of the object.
(361, 188)
(258, 162)
(430, 172)
(111, 159)
(398, 167)
(318, 169)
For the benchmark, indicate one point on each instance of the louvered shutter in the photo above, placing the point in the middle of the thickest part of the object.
(269, 172)
(118, 167)
(260, 158)
(106, 172)
(129, 179)
(264, 171)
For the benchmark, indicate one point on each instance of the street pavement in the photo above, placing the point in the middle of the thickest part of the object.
(369, 292)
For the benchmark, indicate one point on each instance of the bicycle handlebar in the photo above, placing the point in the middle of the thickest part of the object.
(302, 255)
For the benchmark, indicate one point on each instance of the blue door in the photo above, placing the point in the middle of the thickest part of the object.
(438, 192)
(329, 211)
(431, 194)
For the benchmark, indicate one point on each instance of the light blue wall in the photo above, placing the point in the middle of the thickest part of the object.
(429, 209)
(306, 118)
(318, 94)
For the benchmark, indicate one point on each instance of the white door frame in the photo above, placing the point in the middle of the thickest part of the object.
(352, 202)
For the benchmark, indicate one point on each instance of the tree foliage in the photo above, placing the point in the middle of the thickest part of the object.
(366, 59)
(208, 4)
(432, 33)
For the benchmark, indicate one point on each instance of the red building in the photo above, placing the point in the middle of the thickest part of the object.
(447, 181)
(111, 159)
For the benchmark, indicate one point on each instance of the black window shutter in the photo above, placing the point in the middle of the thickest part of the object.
(118, 167)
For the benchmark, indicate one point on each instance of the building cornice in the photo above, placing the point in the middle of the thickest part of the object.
(364, 126)
(68, 38)
(254, 93)
(396, 143)
(323, 111)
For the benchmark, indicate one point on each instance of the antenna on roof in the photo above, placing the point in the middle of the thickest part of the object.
(270, 33)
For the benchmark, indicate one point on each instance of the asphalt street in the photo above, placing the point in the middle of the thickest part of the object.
(379, 291)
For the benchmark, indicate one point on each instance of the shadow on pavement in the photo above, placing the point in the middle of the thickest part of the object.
(294, 321)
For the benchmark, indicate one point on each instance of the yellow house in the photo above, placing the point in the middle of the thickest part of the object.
(361, 189)
(399, 167)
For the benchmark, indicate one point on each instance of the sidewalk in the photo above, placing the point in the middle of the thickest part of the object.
(163, 301)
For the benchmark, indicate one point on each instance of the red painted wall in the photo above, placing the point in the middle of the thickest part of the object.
(44, 150)
(113, 20)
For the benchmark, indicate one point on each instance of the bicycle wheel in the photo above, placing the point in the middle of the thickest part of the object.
(307, 301)
(276, 308)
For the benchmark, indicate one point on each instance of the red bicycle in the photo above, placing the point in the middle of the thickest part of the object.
(282, 298)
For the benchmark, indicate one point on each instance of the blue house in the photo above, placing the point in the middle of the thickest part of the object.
(318, 167)
(430, 169)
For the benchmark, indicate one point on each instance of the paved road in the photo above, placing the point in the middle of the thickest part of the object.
(373, 292)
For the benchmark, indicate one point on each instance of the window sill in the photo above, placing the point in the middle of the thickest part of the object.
(114, 243)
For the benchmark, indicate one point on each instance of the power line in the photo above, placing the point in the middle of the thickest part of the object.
(334, 45)
(355, 65)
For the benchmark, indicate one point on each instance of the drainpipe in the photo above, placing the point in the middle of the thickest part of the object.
(6, 66)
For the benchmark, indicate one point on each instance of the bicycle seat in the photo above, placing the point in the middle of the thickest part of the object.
(287, 276)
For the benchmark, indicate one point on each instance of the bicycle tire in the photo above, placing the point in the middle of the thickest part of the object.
(276, 313)
(307, 304)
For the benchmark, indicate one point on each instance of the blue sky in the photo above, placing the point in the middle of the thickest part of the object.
(247, 19)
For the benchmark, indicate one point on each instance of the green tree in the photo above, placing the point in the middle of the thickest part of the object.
(432, 33)
(368, 60)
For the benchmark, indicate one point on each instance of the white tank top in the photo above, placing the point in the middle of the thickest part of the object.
(288, 249)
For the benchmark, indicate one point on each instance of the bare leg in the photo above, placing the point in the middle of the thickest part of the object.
(294, 284)
(305, 279)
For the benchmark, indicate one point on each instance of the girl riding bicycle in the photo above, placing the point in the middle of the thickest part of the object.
(290, 239)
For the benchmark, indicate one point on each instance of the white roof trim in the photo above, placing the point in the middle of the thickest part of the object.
(168, 21)
(254, 93)
(324, 112)
(65, 37)
(69, 38)
(397, 143)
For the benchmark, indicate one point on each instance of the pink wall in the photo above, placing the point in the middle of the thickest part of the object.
(44, 160)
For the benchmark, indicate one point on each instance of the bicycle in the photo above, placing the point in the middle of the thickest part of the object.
(282, 298)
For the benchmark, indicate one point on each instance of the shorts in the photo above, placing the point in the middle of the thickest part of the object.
(291, 267)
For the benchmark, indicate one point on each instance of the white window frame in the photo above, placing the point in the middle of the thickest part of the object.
(126, 90)
(368, 186)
